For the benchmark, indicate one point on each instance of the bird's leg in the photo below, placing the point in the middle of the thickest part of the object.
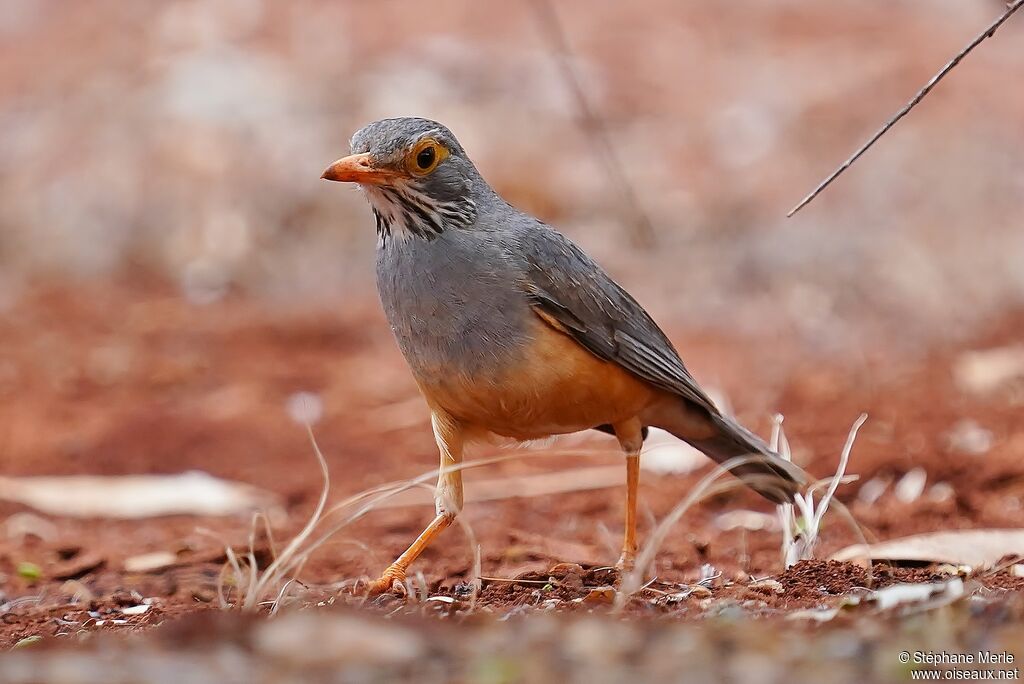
(447, 501)
(630, 435)
(629, 545)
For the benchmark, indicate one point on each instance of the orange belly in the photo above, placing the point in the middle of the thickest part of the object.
(558, 387)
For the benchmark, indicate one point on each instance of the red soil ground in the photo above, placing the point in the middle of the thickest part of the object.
(129, 379)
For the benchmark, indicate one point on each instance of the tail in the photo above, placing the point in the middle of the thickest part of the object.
(771, 476)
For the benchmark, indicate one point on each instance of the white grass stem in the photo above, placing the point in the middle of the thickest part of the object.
(844, 459)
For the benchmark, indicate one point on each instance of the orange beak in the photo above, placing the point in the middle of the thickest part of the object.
(358, 168)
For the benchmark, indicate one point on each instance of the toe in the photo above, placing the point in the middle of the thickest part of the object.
(392, 581)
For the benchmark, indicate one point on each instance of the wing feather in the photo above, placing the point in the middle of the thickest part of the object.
(564, 285)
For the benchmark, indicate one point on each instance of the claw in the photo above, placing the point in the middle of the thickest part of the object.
(391, 581)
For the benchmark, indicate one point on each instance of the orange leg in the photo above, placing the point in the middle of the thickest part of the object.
(631, 438)
(629, 544)
(447, 500)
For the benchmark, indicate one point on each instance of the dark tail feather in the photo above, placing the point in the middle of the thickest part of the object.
(772, 477)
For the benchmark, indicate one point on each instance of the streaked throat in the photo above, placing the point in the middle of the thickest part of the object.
(404, 212)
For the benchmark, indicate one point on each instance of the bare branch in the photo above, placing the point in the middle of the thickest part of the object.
(642, 231)
(987, 33)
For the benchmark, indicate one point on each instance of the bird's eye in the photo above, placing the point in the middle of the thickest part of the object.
(425, 156)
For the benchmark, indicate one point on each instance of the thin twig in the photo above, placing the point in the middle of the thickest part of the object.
(642, 232)
(987, 33)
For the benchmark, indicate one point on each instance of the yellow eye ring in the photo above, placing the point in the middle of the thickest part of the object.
(424, 157)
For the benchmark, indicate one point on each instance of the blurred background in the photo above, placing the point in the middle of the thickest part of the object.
(182, 141)
(179, 290)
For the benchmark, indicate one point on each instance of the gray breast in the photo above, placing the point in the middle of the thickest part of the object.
(453, 303)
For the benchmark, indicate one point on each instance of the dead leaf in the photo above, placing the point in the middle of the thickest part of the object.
(600, 595)
(976, 548)
(985, 371)
(134, 496)
(938, 593)
(911, 486)
(148, 562)
(872, 490)
(136, 610)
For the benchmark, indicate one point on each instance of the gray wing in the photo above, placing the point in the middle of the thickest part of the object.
(566, 286)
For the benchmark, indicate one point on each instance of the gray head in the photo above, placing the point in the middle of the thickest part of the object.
(416, 176)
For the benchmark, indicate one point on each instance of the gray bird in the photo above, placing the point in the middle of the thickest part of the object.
(510, 329)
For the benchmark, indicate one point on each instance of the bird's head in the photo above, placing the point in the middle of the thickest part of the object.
(416, 176)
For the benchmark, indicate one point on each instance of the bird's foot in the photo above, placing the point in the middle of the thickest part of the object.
(391, 581)
(626, 562)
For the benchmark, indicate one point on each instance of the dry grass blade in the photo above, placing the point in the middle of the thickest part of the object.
(280, 565)
(987, 33)
(236, 569)
(276, 604)
(844, 459)
(271, 545)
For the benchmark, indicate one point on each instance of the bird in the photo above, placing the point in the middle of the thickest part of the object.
(512, 331)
